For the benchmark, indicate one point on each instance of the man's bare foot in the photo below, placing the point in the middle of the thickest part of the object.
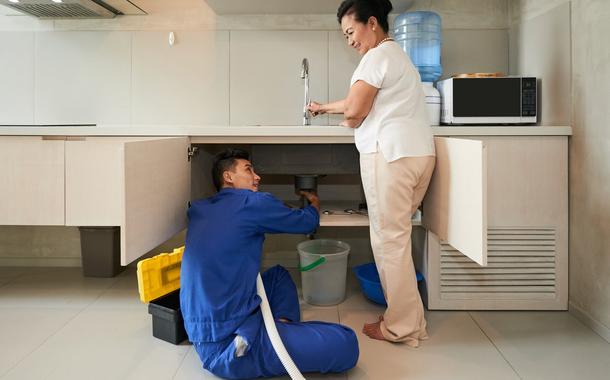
(373, 330)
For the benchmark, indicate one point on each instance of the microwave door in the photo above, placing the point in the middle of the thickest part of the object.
(492, 100)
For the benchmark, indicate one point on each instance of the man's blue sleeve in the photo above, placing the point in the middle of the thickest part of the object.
(274, 217)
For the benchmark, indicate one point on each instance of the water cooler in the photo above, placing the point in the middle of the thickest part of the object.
(419, 35)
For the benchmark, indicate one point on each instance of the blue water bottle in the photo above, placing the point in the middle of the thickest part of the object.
(419, 35)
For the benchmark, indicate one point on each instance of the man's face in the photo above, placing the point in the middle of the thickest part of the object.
(242, 176)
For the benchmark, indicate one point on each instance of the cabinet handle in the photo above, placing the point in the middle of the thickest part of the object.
(64, 138)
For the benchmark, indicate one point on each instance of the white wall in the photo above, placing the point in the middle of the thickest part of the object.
(122, 71)
(589, 116)
(541, 47)
(223, 70)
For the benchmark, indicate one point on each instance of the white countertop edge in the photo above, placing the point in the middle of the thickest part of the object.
(265, 131)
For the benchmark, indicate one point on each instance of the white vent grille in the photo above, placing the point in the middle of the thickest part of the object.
(70, 9)
(55, 10)
(520, 264)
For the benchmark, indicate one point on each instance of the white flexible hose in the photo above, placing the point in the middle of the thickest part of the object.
(274, 336)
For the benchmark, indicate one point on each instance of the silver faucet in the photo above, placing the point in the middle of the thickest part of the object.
(305, 76)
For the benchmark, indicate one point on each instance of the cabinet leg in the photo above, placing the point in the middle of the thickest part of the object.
(101, 251)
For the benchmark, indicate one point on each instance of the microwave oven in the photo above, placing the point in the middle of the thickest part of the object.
(501, 100)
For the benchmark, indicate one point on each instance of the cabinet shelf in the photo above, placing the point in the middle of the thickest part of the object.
(338, 217)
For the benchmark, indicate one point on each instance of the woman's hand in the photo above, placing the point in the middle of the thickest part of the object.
(315, 109)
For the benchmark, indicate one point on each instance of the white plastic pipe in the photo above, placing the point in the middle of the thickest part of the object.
(274, 336)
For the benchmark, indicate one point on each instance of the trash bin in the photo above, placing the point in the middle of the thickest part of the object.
(101, 251)
(323, 271)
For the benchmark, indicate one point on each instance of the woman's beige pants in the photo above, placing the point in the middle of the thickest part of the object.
(393, 192)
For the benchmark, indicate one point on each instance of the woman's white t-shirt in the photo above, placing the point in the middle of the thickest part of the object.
(398, 121)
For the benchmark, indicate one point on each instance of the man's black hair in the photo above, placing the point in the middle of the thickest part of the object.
(364, 9)
(224, 161)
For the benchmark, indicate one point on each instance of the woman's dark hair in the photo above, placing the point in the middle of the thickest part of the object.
(224, 161)
(364, 9)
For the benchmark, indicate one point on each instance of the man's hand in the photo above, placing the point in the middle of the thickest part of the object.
(312, 198)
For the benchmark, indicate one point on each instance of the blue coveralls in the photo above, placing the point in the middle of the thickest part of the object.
(218, 290)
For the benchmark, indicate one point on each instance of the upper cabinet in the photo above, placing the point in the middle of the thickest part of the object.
(83, 78)
(266, 84)
(186, 83)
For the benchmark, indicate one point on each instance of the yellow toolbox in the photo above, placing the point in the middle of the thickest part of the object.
(159, 284)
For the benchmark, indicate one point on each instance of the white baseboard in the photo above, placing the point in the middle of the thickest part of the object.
(590, 322)
(40, 261)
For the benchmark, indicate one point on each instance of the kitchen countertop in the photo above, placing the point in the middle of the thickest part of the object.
(254, 134)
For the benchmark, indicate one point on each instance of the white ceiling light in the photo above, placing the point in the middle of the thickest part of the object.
(14, 1)
(56, 1)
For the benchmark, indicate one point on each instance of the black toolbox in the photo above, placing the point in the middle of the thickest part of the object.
(167, 322)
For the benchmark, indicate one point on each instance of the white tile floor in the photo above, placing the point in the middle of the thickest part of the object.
(55, 324)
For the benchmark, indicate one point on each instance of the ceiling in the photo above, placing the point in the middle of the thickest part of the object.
(241, 7)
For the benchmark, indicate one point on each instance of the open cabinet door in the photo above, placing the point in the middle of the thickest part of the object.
(455, 206)
(157, 180)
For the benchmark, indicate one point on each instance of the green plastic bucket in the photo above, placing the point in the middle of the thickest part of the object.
(323, 265)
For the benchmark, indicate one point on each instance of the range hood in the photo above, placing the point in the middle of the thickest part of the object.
(71, 9)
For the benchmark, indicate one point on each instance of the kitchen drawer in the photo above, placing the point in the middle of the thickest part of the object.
(31, 181)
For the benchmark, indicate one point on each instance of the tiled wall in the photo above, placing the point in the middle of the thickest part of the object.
(223, 70)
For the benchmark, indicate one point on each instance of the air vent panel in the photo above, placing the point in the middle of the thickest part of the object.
(521, 265)
(55, 11)
(70, 9)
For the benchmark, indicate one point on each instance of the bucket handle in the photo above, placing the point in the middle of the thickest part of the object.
(312, 265)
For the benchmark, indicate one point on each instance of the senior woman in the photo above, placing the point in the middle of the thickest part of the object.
(386, 107)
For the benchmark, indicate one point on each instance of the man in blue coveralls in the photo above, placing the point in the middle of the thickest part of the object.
(220, 265)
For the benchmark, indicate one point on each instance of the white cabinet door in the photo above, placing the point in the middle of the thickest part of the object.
(31, 181)
(157, 191)
(141, 185)
(455, 207)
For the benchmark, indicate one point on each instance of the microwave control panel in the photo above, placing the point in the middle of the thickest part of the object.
(528, 96)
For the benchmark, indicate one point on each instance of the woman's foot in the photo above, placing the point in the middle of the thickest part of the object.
(373, 330)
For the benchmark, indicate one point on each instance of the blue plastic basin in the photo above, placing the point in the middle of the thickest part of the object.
(371, 284)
